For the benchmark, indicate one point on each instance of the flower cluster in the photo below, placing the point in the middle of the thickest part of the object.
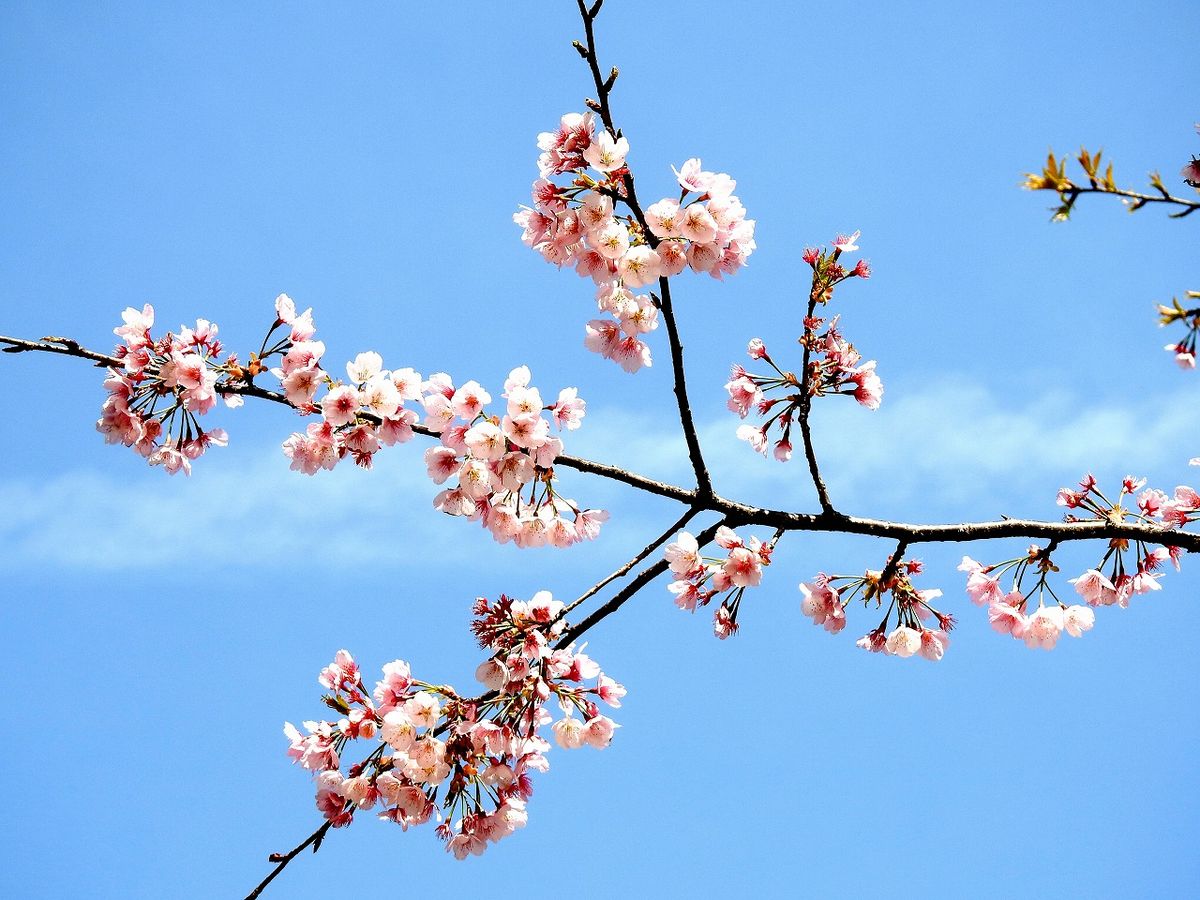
(1128, 568)
(525, 671)
(155, 400)
(1124, 572)
(836, 369)
(493, 459)
(830, 365)
(698, 578)
(299, 370)
(1148, 506)
(826, 598)
(1008, 609)
(358, 417)
(1184, 350)
(577, 224)
(466, 761)
(1191, 170)
(619, 338)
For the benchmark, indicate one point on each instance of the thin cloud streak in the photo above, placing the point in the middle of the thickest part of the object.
(953, 451)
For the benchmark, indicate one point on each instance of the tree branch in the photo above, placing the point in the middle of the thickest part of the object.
(1187, 207)
(966, 532)
(734, 513)
(62, 345)
(639, 581)
(621, 572)
(68, 347)
(806, 392)
(603, 89)
(282, 859)
(741, 513)
(704, 486)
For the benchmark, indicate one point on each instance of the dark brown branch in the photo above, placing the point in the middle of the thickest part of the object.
(625, 569)
(1187, 207)
(806, 397)
(966, 532)
(743, 514)
(734, 513)
(62, 345)
(603, 89)
(703, 479)
(282, 859)
(639, 581)
(641, 482)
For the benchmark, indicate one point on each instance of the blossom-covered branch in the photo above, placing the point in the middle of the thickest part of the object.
(577, 224)
(746, 514)
(249, 388)
(432, 753)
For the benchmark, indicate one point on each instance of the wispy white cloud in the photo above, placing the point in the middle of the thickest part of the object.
(953, 451)
(241, 509)
(956, 448)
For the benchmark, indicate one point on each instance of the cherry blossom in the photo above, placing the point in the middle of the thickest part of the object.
(155, 400)
(823, 604)
(468, 761)
(1123, 573)
(698, 578)
(592, 225)
(489, 460)
(1185, 349)
(827, 597)
(606, 154)
(471, 757)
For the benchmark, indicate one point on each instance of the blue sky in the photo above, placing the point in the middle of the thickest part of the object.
(367, 162)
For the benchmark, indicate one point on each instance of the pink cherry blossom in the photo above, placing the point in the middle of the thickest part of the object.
(1096, 589)
(340, 406)
(903, 642)
(933, 644)
(606, 154)
(1006, 616)
(823, 605)
(1078, 619)
(692, 178)
(1044, 627)
(844, 244)
(663, 218)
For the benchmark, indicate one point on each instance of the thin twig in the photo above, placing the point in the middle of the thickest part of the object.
(810, 452)
(1187, 207)
(704, 487)
(639, 581)
(621, 572)
(893, 563)
(282, 859)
